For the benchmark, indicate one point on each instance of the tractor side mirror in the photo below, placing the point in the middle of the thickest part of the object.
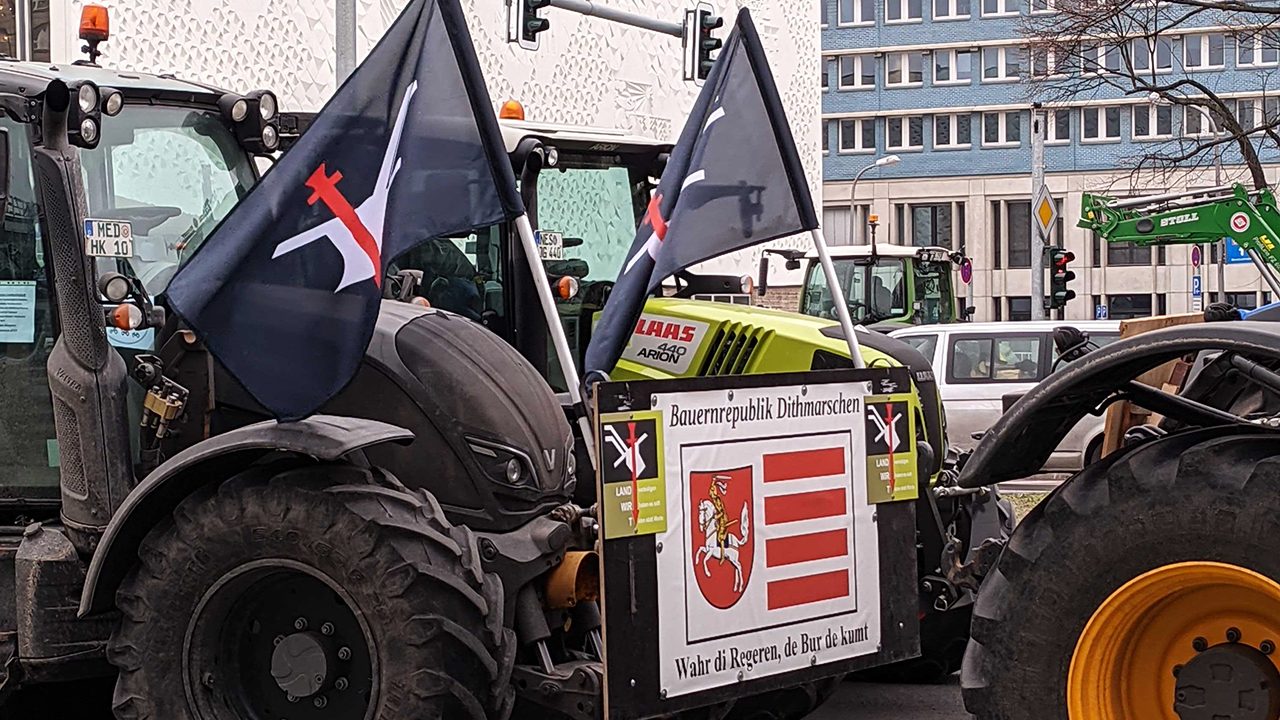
(4, 171)
(762, 284)
(793, 263)
(969, 311)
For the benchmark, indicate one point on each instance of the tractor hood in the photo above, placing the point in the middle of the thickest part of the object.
(697, 338)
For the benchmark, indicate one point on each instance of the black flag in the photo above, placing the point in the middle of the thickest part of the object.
(286, 291)
(733, 180)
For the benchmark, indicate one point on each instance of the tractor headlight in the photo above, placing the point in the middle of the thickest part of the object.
(113, 103)
(270, 137)
(267, 106)
(87, 97)
(89, 131)
(504, 464)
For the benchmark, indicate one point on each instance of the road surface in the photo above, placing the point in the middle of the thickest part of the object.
(861, 701)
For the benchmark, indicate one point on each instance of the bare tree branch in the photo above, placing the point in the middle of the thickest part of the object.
(1100, 50)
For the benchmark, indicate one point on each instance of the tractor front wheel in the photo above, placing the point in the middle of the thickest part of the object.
(1147, 586)
(310, 591)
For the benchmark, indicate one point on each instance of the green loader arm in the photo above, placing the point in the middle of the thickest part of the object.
(1249, 217)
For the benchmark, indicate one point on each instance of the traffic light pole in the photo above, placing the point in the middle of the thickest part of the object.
(593, 9)
(1038, 243)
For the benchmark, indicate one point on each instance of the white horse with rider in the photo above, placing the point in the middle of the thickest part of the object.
(710, 521)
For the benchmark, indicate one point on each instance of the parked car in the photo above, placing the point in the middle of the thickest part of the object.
(977, 364)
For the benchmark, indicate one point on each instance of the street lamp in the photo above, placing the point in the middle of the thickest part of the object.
(885, 161)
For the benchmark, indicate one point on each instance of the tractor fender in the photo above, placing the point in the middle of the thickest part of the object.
(1020, 442)
(323, 437)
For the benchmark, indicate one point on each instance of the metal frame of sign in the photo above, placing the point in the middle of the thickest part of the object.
(629, 587)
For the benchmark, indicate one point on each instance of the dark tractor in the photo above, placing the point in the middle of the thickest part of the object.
(413, 551)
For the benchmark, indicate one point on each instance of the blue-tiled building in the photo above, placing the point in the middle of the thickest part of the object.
(947, 85)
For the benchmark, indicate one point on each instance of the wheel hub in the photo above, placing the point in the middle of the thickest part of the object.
(1195, 638)
(1228, 682)
(301, 663)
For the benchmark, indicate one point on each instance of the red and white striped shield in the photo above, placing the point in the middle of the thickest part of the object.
(789, 505)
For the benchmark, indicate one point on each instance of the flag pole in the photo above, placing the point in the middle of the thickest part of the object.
(837, 297)
(558, 338)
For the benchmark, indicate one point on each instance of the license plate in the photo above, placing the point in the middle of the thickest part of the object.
(551, 245)
(108, 238)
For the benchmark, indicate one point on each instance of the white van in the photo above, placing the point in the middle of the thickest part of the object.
(977, 364)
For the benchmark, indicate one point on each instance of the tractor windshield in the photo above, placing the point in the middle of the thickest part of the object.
(874, 292)
(587, 217)
(895, 289)
(173, 173)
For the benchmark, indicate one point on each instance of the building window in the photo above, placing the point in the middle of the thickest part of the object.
(998, 8)
(932, 225)
(856, 12)
(1257, 51)
(826, 73)
(997, 308)
(1155, 54)
(1058, 127)
(1203, 52)
(1127, 307)
(1123, 254)
(1162, 303)
(1001, 64)
(952, 67)
(1042, 6)
(1002, 129)
(904, 69)
(857, 72)
(1020, 311)
(826, 137)
(1098, 59)
(1049, 63)
(1152, 122)
(952, 131)
(1017, 216)
(1099, 124)
(1195, 124)
(1253, 113)
(826, 13)
(950, 9)
(904, 133)
(902, 10)
(1243, 300)
(857, 136)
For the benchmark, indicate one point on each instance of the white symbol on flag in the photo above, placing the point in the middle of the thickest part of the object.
(653, 217)
(625, 452)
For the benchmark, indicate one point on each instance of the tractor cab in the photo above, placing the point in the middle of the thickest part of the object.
(586, 190)
(885, 286)
(162, 161)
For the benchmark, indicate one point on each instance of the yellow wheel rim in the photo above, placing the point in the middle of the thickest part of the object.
(1124, 662)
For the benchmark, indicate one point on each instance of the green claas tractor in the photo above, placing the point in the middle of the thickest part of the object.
(885, 286)
(1147, 585)
(586, 190)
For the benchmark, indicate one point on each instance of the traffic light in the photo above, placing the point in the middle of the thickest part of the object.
(707, 43)
(1059, 276)
(528, 24)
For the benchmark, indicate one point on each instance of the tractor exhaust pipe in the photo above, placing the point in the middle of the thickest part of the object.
(86, 376)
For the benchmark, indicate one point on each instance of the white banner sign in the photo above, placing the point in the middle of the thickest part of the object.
(770, 560)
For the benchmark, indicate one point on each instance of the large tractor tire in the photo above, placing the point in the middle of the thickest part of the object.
(1147, 587)
(298, 591)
